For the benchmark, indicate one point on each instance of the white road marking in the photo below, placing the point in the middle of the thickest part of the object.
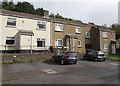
(113, 64)
(49, 71)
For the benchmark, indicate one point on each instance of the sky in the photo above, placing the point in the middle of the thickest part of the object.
(98, 11)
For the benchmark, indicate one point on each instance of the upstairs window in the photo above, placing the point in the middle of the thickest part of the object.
(58, 27)
(11, 21)
(10, 40)
(105, 34)
(40, 42)
(87, 34)
(78, 30)
(41, 25)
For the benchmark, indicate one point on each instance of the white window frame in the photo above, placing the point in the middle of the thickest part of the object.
(56, 43)
(87, 36)
(11, 20)
(10, 38)
(76, 29)
(78, 43)
(57, 28)
(41, 39)
(41, 22)
(105, 34)
(105, 47)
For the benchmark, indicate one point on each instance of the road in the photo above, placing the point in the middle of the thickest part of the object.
(84, 72)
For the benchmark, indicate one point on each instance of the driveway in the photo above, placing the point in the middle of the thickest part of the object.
(84, 72)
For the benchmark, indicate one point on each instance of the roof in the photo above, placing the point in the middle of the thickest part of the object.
(26, 32)
(72, 36)
(103, 28)
(37, 17)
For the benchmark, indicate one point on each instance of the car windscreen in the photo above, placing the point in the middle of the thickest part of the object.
(100, 53)
(71, 54)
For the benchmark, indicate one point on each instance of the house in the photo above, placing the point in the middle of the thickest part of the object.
(100, 38)
(68, 35)
(22, 32)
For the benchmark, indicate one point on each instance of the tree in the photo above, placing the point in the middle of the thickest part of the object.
(58, 16)
(8, 5)
(24, 7)
(116, 28)
(39, 11)
(51, 15)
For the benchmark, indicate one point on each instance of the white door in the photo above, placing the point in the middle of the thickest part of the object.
(113, 49)
(25, 42)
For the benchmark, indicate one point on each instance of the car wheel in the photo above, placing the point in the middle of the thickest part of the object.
(104, 60)
(96, 60)
(62, 62)
(53, 59)
(75, 62)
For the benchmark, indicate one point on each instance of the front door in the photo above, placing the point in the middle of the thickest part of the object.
(25, 42)
(113, 48)
(67, 44)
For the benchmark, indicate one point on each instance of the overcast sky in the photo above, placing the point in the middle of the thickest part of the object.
(97, 11)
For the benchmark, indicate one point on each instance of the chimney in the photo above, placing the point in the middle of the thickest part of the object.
(46, 13)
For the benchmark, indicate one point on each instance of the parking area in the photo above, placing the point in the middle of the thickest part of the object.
(38, 73)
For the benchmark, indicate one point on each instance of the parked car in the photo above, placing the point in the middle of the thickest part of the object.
(65, 57)
(94, 55)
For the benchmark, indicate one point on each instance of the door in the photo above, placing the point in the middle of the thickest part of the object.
(67, 44)
(25, 42)
(113, 49)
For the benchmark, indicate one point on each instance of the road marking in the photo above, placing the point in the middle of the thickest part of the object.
(113, 64)
(49, 71)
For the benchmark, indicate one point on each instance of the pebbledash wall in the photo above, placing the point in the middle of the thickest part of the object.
(22, 32)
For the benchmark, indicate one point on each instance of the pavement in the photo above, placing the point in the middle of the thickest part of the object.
(84, 72)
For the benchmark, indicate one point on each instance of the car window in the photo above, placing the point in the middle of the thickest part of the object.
(71, 54)
(90, 52)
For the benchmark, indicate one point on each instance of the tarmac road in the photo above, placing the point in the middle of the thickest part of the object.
(84, 72)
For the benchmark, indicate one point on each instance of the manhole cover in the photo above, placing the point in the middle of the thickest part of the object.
(49, 71)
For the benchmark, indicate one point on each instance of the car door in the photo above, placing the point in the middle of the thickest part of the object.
(90, 56)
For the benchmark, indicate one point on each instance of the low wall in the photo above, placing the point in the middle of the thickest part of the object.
(26, 57)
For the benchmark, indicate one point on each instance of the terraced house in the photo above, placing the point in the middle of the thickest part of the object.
(68, 35)
(22, 32)
(100, 38)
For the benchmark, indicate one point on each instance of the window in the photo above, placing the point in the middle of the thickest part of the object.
(41, 25)
(105, 48)
(40, 42)
(105, 34)
(58, 43)
(11, 21)
(77, 30)
(58, 27)
(10, 40)
(79, 43)
(87, 34)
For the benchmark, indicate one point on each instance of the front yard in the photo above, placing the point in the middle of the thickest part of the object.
(115, 57)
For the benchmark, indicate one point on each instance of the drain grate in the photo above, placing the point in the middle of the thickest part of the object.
(49, 71)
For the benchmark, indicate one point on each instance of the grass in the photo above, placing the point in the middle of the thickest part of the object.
(115, 57)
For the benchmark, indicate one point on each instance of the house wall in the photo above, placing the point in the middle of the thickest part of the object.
(23, 24)
(69, 29)
(95, 38)
(111, 36)
(87, 41)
